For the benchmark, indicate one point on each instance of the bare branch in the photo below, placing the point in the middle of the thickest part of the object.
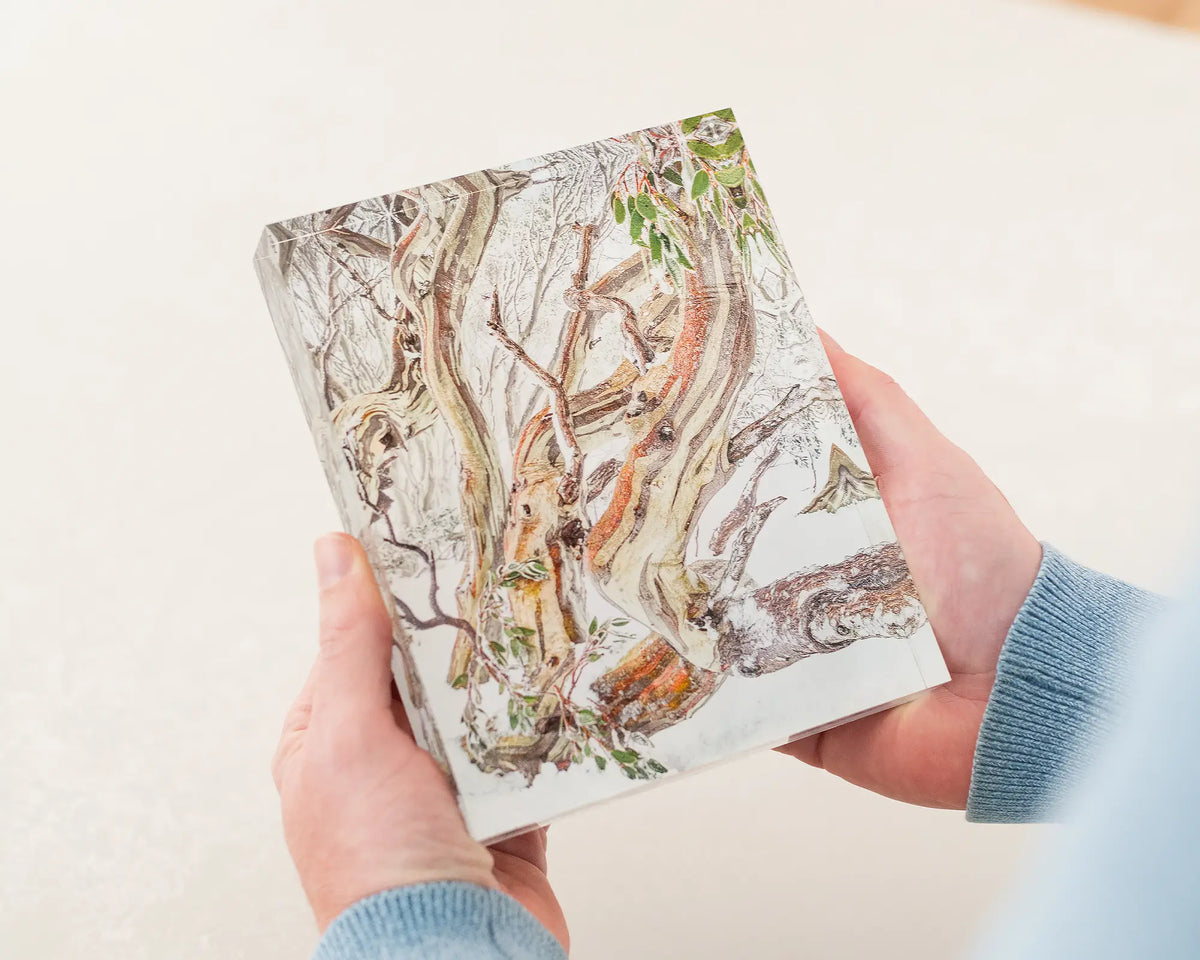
(737, 517)
(360, 245)
(742, 547)
(601, 477)
(574, 350)
(338, 215)
(440, 618)
(640, 353)
(796, 399)
(572, 481)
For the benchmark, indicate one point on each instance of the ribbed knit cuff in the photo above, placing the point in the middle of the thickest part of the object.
(438, 921)
(1061, 670)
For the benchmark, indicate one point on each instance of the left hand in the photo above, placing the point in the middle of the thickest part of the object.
(364, 809)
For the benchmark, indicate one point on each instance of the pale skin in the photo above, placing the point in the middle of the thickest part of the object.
(365, 810)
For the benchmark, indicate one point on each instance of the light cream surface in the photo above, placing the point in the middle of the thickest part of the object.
(997, 202)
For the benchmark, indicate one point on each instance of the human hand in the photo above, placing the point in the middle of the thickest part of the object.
(973, 562)
(365, 809)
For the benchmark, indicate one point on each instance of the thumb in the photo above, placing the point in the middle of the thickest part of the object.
(354, 673)
(897, 438)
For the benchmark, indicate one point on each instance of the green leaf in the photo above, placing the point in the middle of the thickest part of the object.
(520, 632)
(619, 623)
(593, 657)
(739, 199)
(646, 207)
(585, 716)
(629, 772)
(459, 682)
(595, 623)
(498, 651)
(630, 204)
(600, 761)
(691, 123)
(717, 151)
(747, 223)
(758, 189)
(719, 211)
(618, 209)
(700, 184)
(731, 177)
(656, 766)
(537, 568)
(515, 646)
(635, 226)
(512, 721)
(625, 756)
(655, 246)
(684, 260)
(670, 173)
(675, 272)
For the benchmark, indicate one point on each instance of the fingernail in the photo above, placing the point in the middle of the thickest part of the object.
(334, 558)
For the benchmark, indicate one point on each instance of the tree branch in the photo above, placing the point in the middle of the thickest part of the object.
(796, 399)
(737, 517)
(639, 351)
(572, 481)
(574, 352)
(742, 547)
(601, 477)
(440, 618)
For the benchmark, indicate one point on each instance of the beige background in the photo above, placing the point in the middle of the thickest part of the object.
(997, 202)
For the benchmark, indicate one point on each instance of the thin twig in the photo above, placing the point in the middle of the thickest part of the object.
(440, 617)
(572, 482)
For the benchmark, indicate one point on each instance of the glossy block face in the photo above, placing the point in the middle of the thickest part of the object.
(578, 413)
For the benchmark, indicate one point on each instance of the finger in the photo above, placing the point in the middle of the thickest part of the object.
(894, 432)
(400, 715)
(294, 725)
(529, 846)
(354, 675)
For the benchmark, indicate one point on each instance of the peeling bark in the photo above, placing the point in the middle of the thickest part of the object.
(433, 266)
(677, 458)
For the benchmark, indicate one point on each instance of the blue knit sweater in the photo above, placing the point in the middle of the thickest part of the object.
(1062, 668)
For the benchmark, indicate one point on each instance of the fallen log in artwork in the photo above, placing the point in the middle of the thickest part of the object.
(593, 370)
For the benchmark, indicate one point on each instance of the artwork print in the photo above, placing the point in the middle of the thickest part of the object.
(577, 412)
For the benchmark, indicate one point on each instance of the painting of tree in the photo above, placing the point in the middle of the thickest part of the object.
(555, 398)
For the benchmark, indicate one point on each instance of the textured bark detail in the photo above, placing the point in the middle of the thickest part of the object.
(870, 594)
(653, 687)
(737, 517)
(433, 267)
(677, 457)
(796, 399)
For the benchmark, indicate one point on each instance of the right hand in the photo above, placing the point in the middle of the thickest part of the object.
(973, 562)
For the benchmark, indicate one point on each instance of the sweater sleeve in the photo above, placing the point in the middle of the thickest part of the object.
(1058, 681)
(438, 921)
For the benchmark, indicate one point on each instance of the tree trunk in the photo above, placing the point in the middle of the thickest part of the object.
(433, 266)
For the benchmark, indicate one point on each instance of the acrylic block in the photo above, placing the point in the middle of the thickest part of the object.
(579, 416)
